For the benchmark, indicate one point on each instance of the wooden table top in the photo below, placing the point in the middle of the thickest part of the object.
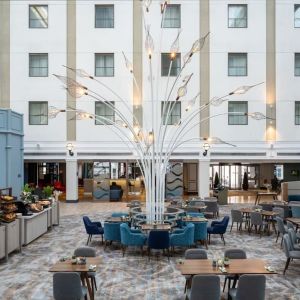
(248, 210)
(194, 219)
(66, 266)
(116, 219)
(295, 221)
(156, 227)
(236, 266)
(266, 194)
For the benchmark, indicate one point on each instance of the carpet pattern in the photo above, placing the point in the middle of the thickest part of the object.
(25, 276)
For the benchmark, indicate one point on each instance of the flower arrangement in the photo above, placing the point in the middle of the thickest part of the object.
(26, 194)
(48, 191)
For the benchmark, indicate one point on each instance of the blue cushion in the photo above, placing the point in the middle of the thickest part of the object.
(293, 198)
(159, 239)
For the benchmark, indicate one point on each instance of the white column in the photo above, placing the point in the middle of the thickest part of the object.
(203, 177)
(71, 180)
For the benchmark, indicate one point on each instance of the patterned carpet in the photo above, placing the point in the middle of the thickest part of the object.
(26, 274)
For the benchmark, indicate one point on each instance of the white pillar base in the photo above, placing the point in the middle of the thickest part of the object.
(71, 181)
(203, 178)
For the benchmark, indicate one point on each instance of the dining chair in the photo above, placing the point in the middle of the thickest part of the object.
(293, 239)
(212, 207)
(289, 252)
(205, 287)
(88, 252)
(92, 228)
(295, 210)
(193, 254)
(291, 225)
(112, 232)
(233, 254)
(158, 240)
(280, 229)
(250, 287)
(237, 217)
(183, 237)
(256, 220)
(67, 286)
(280, 211)
(218, 227)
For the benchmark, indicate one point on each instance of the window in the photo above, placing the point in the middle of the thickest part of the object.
(165, 64)
(297, 64)
(297, 113)
(237, 113)
(38, 16)
(237, 15)
(38, 65)
(237, 64)
(297, 15)
(172, 16)
(104, 16)
(38, 113)
(104, 64)
(104, 109)
(174, 109)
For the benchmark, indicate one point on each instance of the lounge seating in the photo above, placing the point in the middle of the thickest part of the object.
(201, 233)
(88, 252)
(250, 287)
(158, 240)
(183, 237)
(205, 287)
(131, 237)
(116, 195)
(289, 252)
(92, 228)
(218, 227)
(67, 286)
(112, 232)
(233, 254)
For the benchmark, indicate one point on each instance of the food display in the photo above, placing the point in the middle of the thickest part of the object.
(8, 208)
(35, 207)
(44, 203)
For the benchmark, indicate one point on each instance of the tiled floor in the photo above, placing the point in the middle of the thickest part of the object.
(26, 276)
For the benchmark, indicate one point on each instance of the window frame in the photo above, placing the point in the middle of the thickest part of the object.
(246, 116)
(296, 56)
(163, 103)
(167, 54)
(237, 53)
(105, 116)
(95, 19)
(113, 68)
(295, 6)
(37, 102)
(297, 103)
(29, 19)
(168, 6)
(232, 5)
(38, 54)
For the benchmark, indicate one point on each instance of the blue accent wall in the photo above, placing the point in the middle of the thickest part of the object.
(11, 150)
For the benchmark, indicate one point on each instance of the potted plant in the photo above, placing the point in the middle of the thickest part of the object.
(245, 182)
(48, 191)
(216, 180)
(26, 194)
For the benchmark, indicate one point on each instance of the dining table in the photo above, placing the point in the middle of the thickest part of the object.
(148, 227)
(194, 219)
(67, 266)
(294, 221)
(265, 194)
(235, 267)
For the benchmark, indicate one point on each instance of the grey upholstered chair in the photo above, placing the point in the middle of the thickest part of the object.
(212, 207)
(289, 252)
(205, 287)
(88, 252)
(233, 254)
(193, 254)
(291, 225)
(293, 239)
(280, 229)
(250, 287)
(237, 217)
(256, 220)
(280, 211)
(67, 286)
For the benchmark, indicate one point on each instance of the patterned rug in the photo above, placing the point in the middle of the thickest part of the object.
(26, 275)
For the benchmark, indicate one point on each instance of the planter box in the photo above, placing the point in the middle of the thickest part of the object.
(13, 236)
(55, 213)
(2, 241)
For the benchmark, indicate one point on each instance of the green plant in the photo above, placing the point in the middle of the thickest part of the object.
(27, 188)
(216, 180)
(245, 182)
(48, 191)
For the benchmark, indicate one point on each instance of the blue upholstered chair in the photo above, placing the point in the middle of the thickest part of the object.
(183, 237)
(116, 195)
(218, 227)
(158, 240)
(195, 214)
(131, 237)
(112, 232)
(92, 228)
(200, 232)
(119, 214)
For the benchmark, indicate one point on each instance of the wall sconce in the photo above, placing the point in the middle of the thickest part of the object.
(206, 147)
(70, 148)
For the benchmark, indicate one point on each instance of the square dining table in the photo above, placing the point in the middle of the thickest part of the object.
(67, 266)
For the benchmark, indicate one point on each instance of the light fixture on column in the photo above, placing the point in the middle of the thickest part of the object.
(206, 147)
(70, 148)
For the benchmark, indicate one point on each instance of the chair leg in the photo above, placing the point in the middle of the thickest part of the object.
(102, 238)
(224, 284)
(222, 238)
(123, 249)
(148, 250)
(95, 283)
(87, 242)
(281, 242)
(205, 241)
(231, 226)
(286, 265)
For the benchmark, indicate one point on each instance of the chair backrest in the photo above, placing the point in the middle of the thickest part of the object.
(251, 287)
(200, 232)
(195, 254)
(225, 221)
(67, 286)
(235, 254)
(197, 203)
(205, 287)
(295, 211)
(287, 245)
(125, 232)
(293, 236)
(211, 206)
(112, 231)
(266, 206)
(256, 218)
(87, 223)
(290, 225)
(85, 252)
(280, 211)
(280, 225)
(159, 239)
(236, 215)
